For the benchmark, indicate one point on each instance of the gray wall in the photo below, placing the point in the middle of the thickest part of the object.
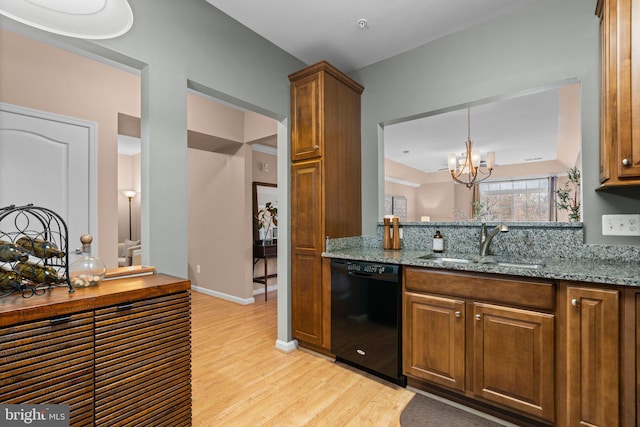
(175, 45)
(191, 43)
(546, 41)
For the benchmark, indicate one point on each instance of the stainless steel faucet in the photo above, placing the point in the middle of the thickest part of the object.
(485, 239)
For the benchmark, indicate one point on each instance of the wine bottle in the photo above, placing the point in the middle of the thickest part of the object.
(38, 273)
(10, 252)
(9, 279)
(40, 248)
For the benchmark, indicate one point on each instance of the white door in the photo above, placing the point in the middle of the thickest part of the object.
(49, 160)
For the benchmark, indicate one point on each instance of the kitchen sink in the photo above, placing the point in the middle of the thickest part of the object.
(484, 261)
(439, 258)
(519, 265)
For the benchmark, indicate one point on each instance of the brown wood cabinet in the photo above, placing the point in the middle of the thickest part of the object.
(325, 188)
(428, 320)
(117, 354)
(514, 358)
(620, 93)
(143, 362)
(50, 361)
(477, 335)
(593, 351)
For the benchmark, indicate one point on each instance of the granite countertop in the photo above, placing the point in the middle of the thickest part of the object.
(625, 273)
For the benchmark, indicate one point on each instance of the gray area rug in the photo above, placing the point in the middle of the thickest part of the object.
(423, 411)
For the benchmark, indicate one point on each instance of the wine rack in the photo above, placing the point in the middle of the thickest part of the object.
(33, 272)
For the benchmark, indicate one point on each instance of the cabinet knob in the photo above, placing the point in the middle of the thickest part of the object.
(478, 317)
(457, 313)
(626, 162)
(575, 302)
(316, 147)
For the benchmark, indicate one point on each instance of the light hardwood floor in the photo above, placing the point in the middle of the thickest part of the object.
(240, 379)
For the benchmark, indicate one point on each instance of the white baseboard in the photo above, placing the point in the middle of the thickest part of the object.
(287, 347)
(260, 290)
(232, 298)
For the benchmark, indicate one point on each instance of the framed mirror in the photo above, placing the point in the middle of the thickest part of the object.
(264, 194)
(536, 138)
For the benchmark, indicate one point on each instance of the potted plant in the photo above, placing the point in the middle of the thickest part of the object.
(266, 218)
(564, 198)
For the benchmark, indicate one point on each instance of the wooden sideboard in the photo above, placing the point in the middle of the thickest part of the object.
(117, 354)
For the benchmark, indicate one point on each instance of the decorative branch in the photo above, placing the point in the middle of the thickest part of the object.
(564, 199)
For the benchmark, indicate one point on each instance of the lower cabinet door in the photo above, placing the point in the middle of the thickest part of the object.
(593, 354)
(513, 358)
(434, 339)
(143, 362)
(50, 361)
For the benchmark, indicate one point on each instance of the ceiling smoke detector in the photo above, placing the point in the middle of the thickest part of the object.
(362, 23)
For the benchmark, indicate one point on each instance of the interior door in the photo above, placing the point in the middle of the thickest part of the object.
(49, 160)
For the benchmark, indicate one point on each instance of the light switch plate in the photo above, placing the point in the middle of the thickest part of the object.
(621, 225)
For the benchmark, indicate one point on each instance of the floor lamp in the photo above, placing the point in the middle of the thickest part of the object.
(130, 194)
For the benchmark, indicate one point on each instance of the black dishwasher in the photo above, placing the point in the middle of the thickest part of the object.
(366, 317)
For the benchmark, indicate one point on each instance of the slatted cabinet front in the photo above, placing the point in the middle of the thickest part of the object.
(143, 362)
(50, 361)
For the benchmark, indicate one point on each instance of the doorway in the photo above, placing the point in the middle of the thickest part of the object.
(229, 148)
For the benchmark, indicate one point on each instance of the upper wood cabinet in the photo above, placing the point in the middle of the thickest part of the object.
(325, 109)
(620, 93)
(306, 120)
(325, 189)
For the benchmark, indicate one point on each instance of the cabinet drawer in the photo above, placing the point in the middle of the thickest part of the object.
(523, 293)
(143, 363)
(50, 361)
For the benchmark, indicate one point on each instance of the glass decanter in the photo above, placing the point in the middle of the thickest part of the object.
(86, 270)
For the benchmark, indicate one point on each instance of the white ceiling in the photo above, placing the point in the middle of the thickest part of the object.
(315, 30)
(519, 130)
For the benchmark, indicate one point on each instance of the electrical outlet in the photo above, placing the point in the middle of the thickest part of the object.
(197, 268)
(621, 225)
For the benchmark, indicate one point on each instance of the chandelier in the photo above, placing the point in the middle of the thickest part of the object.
(465, 168)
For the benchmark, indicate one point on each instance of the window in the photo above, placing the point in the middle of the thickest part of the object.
(515, 201)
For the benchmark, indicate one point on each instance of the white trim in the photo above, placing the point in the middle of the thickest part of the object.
(287, 347)
(402, 181)
(223, 296)
(264, 149)
(260, 290)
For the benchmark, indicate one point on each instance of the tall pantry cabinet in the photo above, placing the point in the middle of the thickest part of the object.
(325, 190)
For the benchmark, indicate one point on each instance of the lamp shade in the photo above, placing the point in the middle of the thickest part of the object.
(129, 193)
(491, 159)
(452, 162)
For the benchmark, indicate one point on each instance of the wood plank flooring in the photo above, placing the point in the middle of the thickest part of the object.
(240, 379)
